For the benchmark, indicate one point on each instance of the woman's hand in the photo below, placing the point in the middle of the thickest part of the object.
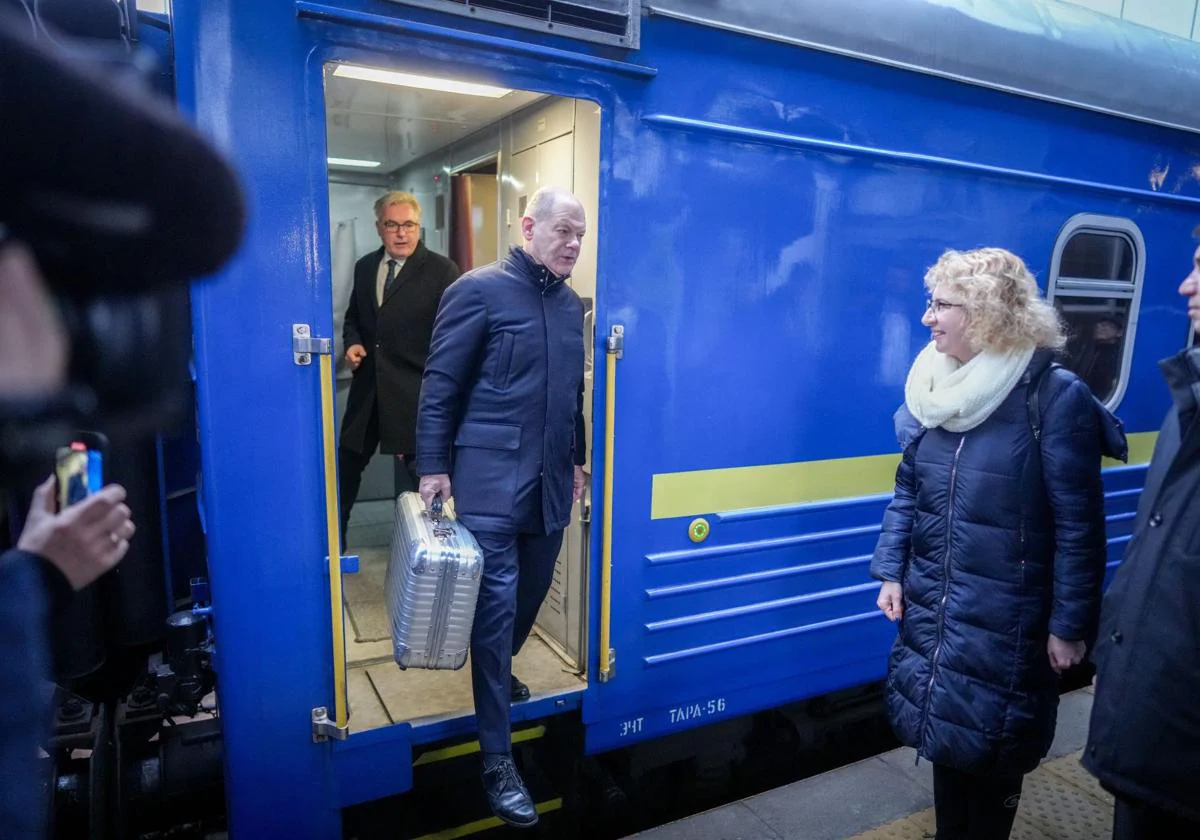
(891, 600)
(1064, 654)
(83, 541)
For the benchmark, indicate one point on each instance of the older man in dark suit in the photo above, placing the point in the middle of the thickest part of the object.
(502, 413)
(388, 325)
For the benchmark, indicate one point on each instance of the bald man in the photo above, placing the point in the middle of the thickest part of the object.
(500, 424)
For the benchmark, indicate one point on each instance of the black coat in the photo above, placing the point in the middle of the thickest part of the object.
(1145, 731)
(396, 337)
(502, 400)
(998, 542)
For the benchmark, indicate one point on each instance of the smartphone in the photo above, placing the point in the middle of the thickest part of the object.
(79, 469)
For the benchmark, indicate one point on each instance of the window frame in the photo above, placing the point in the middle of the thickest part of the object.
(1077, 287)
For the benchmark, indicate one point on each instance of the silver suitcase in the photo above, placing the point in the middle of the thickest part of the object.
(431, 586)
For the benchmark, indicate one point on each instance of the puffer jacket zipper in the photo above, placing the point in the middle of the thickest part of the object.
(937, 649)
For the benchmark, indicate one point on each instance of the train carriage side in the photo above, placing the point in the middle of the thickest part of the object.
(770, 309)
(766, 213)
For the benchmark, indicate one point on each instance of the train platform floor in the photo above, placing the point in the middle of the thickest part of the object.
(889, 797)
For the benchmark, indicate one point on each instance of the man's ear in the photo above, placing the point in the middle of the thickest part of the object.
(526, 228)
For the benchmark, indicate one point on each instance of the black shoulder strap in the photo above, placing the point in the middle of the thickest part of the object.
(1034, 400)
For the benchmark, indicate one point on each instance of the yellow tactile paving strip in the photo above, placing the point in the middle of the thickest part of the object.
(1059, 801)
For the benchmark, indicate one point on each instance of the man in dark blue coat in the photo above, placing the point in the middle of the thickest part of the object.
(501, 421)
(1144, 743)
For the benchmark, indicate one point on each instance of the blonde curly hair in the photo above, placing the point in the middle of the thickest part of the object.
(1005, 311)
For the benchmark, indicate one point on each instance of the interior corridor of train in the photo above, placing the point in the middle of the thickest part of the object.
(472, 155)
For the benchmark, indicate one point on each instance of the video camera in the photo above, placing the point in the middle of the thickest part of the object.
(122, 204)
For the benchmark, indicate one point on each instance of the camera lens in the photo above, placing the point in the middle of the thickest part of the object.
(131, 352)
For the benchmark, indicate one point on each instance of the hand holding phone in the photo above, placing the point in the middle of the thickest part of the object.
(85, 539)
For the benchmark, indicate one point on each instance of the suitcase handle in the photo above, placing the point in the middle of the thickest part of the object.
(440, 530)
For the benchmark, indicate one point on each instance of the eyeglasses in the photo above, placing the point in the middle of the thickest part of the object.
(938, 306)
(407, 227)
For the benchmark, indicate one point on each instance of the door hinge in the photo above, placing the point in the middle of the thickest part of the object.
(305, 346)
(323, 729)
(616, 341)
(606, 675)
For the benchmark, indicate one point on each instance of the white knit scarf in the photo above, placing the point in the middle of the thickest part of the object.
(943, 392)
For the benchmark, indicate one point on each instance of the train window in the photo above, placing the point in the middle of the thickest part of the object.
(1095, 284)
(1099, 256)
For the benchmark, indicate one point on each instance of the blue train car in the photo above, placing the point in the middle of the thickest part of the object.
(766, 183)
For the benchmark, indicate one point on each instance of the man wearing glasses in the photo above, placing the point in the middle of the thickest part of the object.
(388, 325)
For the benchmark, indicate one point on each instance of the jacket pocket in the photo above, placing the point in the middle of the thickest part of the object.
(486, 457)
(503, 436)
(503, 365)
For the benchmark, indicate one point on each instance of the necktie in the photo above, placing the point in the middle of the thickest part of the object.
(391, 277)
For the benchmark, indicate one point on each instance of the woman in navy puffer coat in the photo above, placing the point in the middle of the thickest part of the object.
(993, 549)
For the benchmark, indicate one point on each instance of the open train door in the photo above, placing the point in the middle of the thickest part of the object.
(254, 77)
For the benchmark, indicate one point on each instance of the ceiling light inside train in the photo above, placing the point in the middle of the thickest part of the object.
(391, 77)
(365, 164)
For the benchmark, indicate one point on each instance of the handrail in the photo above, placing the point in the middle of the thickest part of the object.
(614, 349)
(332, 526)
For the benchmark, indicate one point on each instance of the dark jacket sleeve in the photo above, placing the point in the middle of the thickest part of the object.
(895, 542)
(350, 331)
(1071, 449)
(460, 335)
(28, 585)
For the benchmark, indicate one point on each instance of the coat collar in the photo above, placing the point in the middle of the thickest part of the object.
(525, 265)
(1043, 357)
(1182, 372)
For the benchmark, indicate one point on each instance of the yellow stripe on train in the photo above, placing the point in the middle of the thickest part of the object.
(771, 485)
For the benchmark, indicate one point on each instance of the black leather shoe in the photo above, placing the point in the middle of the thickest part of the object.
(518, 691)
(506, 793)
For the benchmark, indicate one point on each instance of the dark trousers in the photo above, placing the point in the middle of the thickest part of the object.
(1134, 820)
(517, 571)
(970, 807)
(351, 465)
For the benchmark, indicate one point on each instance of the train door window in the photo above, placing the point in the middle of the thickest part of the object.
(1095, 285)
